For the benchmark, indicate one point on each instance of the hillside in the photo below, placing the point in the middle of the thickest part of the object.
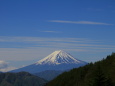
(48, 74)
(20, 79)
(101, 73)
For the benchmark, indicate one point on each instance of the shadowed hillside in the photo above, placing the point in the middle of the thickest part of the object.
(20, 79)
(48, 74)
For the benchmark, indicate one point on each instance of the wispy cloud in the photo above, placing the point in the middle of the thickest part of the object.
(80, 22)
(29, 48)
(45, 39)
(82, 43)
(50, 31)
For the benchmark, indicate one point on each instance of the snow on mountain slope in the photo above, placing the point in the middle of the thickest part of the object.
(58, 57)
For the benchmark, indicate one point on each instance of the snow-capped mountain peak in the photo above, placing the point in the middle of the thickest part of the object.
(58, 57)
(58, 60)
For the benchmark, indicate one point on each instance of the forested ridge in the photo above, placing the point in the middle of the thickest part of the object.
(20, 79)
(101, 73)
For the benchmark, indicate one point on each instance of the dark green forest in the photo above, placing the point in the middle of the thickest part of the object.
(20, 79)
(101, 73)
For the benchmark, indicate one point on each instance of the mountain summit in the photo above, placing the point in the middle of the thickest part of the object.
(58, 57)
(58, 60)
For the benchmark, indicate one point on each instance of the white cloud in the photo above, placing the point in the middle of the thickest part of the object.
(3, 64)
(80, 22)
(4, 67)
(7, 69)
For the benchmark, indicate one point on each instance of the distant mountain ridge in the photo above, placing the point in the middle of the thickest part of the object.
(20, 79)
(58, 60)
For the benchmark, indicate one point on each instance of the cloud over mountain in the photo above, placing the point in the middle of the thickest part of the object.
(4, 66)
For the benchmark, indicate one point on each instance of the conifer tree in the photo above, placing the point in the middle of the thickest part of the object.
(99, 78)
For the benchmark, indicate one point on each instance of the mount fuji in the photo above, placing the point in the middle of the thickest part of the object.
(58, 60)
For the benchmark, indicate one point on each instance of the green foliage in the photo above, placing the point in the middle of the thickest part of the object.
(20, 79)
(101, 73)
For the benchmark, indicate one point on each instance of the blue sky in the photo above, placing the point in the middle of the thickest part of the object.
(32, 29)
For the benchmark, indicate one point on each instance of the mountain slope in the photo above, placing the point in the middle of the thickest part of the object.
(58, 60)
(101, 73)
(20, 79)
